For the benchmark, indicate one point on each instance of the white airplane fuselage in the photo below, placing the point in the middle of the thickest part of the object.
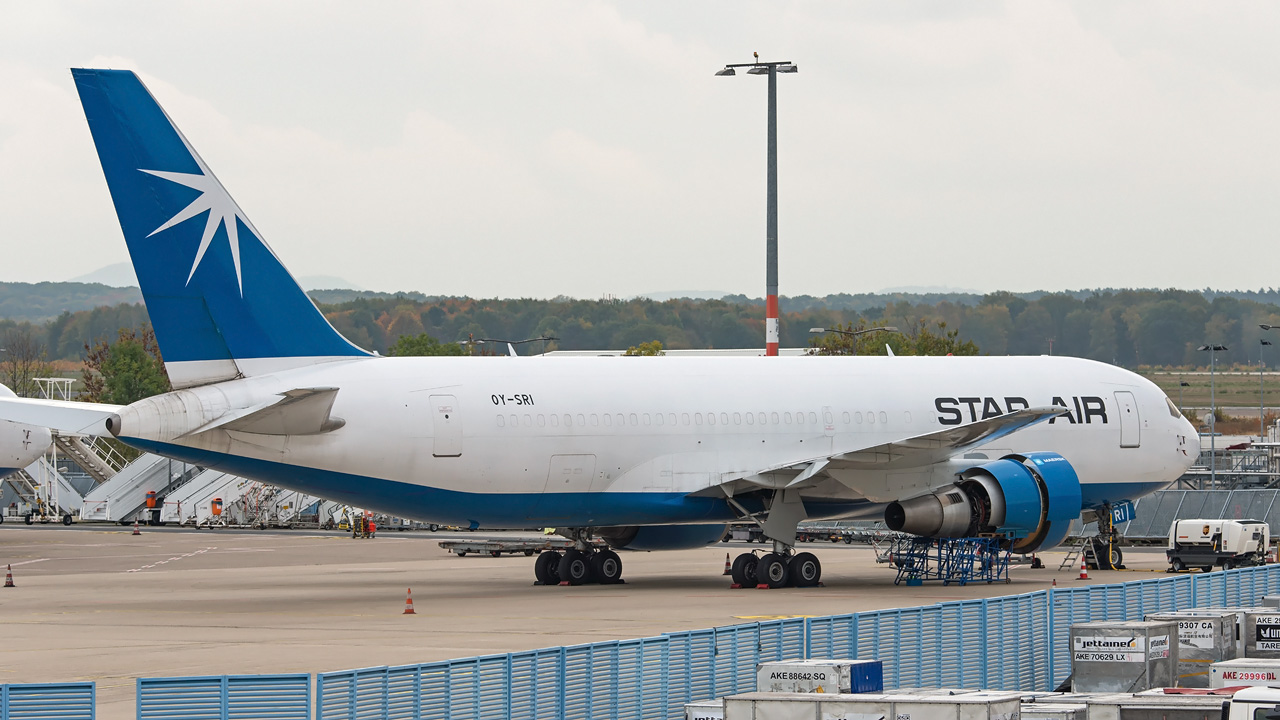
(528, 442)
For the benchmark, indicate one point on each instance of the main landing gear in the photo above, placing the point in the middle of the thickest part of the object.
(778, 569)
(583, 564)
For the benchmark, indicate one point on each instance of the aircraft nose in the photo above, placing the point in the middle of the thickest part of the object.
(1191, 445)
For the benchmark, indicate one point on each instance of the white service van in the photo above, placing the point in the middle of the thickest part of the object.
(1229, 543)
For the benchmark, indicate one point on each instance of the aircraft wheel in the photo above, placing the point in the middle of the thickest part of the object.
(1117, 557)
(805, 570)
(547, 568)
(743, 570)
(574, 568)
(606, 566)
(771, 570)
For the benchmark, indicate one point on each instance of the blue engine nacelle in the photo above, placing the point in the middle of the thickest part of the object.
(662, 537)
(1031, 499)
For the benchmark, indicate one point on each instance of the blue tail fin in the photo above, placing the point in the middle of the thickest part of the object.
(221, 302)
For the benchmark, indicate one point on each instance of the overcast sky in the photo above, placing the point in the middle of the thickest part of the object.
(585, 148)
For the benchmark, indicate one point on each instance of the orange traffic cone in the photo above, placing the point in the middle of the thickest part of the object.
(1084, 570)
(8, 576)
(135, 528)
(408, 603)
(727, 569)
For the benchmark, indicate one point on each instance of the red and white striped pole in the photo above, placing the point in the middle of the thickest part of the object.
(771, 200)
(771, 224)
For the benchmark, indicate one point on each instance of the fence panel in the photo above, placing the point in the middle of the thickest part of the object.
(65, 701)
(225, 697)
(352, 694)
(534, 684)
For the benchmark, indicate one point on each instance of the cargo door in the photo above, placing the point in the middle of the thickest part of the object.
(1130, 424)
(447, 423)
(570, 473)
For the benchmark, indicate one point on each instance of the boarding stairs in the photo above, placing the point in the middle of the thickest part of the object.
(94, 455)
(121, 498)
(40, 482)
(191, 504)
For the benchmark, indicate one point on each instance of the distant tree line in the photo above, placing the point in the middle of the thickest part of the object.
(1124, 327)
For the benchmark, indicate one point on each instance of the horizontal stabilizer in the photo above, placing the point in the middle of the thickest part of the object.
(302, 411)
(60, 416)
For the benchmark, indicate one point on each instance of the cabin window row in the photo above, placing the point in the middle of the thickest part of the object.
(570, 420)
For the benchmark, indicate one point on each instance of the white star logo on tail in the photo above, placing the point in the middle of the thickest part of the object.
(217, 202)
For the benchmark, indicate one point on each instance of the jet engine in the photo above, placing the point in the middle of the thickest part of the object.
(1031, 499)
(662, 537)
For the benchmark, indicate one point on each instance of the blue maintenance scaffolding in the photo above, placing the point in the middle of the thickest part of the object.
(949, 560)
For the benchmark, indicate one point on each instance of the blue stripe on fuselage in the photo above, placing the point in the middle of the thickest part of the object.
(490, 510)
(525, 510)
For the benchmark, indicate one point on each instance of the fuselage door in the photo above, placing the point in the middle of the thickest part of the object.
(1130, 424)
(448, 426)
(570, 473)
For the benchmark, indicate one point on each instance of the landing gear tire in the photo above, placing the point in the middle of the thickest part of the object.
(606, 566)
(547, 568)
(771, 570)
(574, 567)
(743, 570)
(805, 570)
(1117, 557)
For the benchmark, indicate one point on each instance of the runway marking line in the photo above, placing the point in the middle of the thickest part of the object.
(157, 563)
(28, 562)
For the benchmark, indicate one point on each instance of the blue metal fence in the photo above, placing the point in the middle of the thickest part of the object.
(225, 697)
(63, 701)
(1017, 642)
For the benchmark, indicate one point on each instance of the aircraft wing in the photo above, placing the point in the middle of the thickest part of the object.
(912, 452)
(301, 411)
(61, 416)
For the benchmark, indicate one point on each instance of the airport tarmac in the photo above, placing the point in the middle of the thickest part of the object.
(94, 602)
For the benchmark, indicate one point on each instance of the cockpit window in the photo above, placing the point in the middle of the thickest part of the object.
(1173, 409)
